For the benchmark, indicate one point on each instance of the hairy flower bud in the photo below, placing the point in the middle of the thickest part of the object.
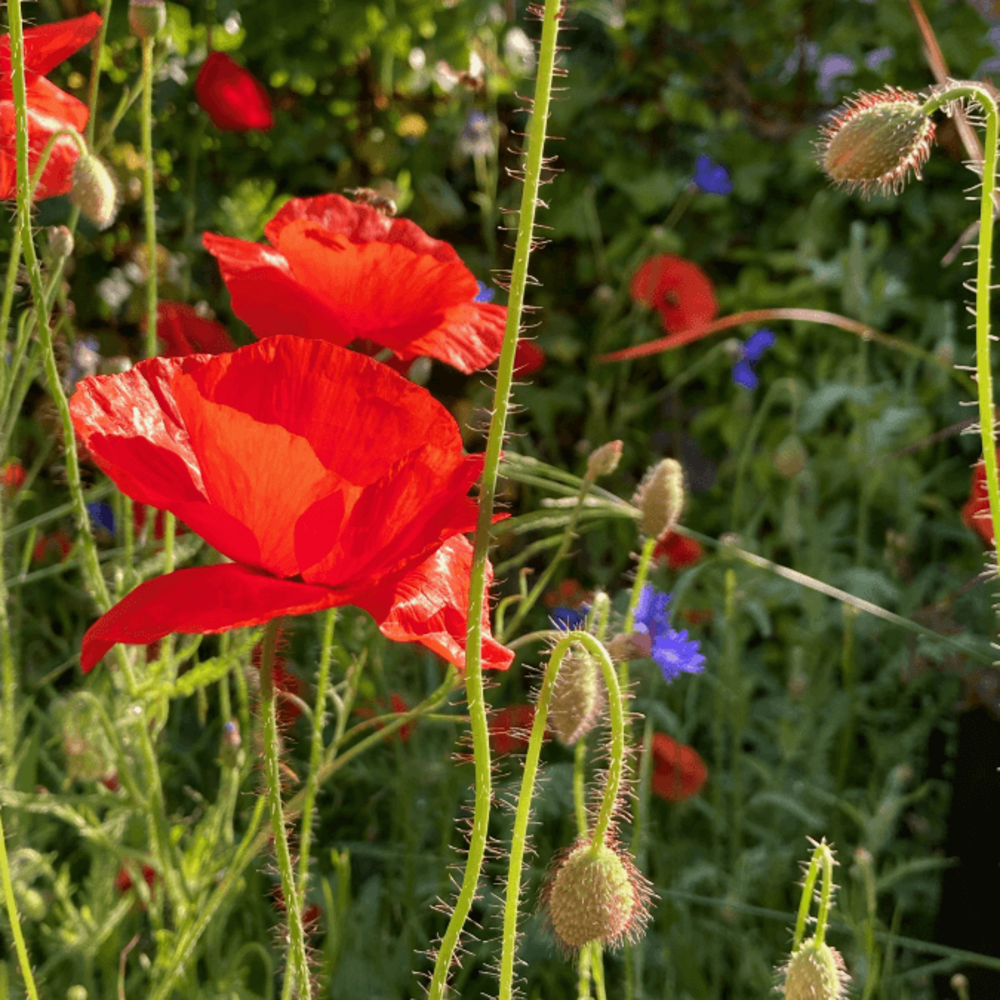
(875, 140)
(147, 18)
(660, 497)
(94, 191)
(815, 972)
(596, 894)
(577, 697)
(60, 242)
(604, 460)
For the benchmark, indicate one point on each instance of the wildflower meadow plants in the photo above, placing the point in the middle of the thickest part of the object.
(323, 671)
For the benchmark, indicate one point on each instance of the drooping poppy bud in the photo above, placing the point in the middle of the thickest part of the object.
(815, 972)
(595, 893)
(875, 140)
(604, 460)
(577, 697)
(94, 190)
(660, 497)
(233, 98)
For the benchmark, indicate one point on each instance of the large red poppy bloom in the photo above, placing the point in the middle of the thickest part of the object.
(49, 108)
(678, 289)
(233, 98)
(184, 332)
(678, 770)
(337, 271)
(976, 510)
(327, 478)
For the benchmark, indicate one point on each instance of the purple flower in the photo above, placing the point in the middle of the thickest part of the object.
(753, 350)
(711, 177)
(567, 619)
(102, 517)
(485, 293)
(672, 651)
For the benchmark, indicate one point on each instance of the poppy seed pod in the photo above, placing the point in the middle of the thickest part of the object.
(815, 972)
(875, 140)
(577, 697)
(660, 497)
(94, 190)
(147, 18)
(596, 894)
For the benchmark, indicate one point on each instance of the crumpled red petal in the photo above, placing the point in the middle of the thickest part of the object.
(232, 97)
(429, 606)
(342, 271)
(47, 45)
(204, 599)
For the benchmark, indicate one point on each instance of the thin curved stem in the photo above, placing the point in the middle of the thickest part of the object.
(8, 894)
(149, 197)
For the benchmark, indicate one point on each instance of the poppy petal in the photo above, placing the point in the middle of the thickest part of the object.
(204, 599)
(232, 97)
(430, 604)
(57, 177)
(46, 46)
(184, 332)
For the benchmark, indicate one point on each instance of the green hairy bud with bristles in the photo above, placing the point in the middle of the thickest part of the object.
(94, 190)
(814, 972)
(660, 498)
(875, 141)
(577, 697)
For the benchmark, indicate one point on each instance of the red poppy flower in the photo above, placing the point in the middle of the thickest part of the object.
(678, 550)
(49, 108)
(397, 705)
(58, 543)
(234, 99)
(139, 516)
(185, 332)
(339, 271)
(510, 728)
(123, 881)
(287, 710)
(678, 289)
(678, 770)
(326, 477)
(12, 477)
(976, 511)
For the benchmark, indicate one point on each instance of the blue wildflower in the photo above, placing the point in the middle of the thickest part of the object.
(753, 350)
(711, 177)
(102, 517)
(485, 293)
(567, 619)
(672, 651)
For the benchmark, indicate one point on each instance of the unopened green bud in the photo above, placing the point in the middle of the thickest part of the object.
(790, 457)
(596, 894)
(875, 140)
(76, 992)
(577, 697)
(660, 498)
(94, 190)
(147, 18)
(815, 972)
(604, 460)
(60, 242)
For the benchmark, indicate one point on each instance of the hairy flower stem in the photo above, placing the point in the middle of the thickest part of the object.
(535, 162)
(148, 195)
(599, 833)
(298, 967)
(984, 374)
(822, 857)
(15, 924)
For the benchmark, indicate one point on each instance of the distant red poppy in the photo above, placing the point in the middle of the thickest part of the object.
(139, 514)
(185, 332)
(678, 551)
(511, 727)
(12, 477)
(123, 881)
(287, 710)
(678, 289)
(233, 98)
(327, 478)
(528, 358)
(397, 705)
(58, 544)
(339, 271)
(49, 108)
(976, 510)
(678, 770)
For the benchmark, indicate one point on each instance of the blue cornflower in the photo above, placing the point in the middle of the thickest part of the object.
(567, 619)
(672, 651)
(753, 350)
(102, 517)
(485, 293)
(711, 177)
